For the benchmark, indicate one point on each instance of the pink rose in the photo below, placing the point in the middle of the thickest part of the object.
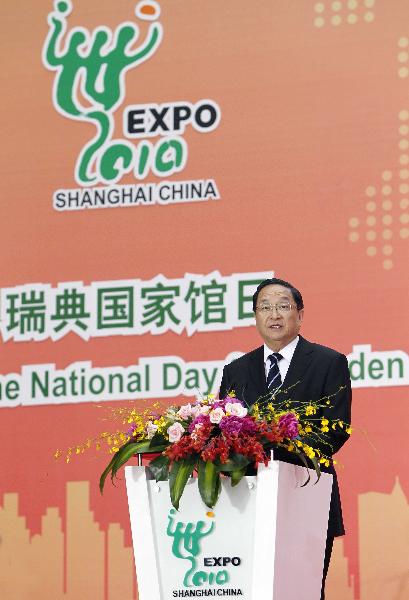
(195, 410)
(175, 432)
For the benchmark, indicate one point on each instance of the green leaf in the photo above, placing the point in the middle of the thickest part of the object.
(303, 459)
(123, 455)
(126, 452)
(153, 449)
(158, 439)
(159, 467)
(316, 467)
(105, 473)
(180, 472)
(237, 476)
(237, 461)
(209, 482)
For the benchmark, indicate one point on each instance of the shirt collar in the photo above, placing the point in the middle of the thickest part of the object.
(286, 352)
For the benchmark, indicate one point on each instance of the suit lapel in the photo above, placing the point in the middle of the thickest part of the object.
(257, 372)
(300, 362)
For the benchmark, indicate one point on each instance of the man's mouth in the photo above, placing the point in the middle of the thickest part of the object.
(275, 326)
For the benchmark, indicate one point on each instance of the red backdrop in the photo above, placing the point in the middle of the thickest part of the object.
(308, 161)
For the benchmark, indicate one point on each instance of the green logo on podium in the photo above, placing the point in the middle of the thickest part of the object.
(186, 545)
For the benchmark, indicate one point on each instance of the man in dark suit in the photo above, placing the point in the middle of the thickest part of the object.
(287, 365)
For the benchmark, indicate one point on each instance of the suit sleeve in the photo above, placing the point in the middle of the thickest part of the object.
(337, 380)
(225, 384)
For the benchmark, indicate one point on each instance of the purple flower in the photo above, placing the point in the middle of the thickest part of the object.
(219, 404)
(289, 425)
(227, 400)
(131, 430)
(203, 419)
(248, 425)
(232, 424)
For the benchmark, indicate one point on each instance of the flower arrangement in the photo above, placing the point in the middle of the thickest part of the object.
(218, 437)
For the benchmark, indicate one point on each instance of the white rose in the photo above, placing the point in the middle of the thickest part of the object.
(185, 411)
(151, 429)
(175, 432)
(195, 410)
(204, 410)
(236, 409)
(217, 415)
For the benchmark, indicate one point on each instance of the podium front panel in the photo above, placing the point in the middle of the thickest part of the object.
(263, 540)
(196, 551)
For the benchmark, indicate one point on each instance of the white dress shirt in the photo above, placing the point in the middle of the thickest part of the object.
(287, 354)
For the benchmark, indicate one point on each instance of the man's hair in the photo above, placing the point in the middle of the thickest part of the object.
(275, 281)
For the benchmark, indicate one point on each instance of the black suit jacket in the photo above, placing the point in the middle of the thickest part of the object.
(315, 371)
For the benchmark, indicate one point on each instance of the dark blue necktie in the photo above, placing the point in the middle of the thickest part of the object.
(274, 377)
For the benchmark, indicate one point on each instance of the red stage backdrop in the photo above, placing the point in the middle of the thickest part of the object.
(158, 160)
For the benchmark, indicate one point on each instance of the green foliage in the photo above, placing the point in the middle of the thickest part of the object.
(159, 467)
(237, 461)
(123, 455)
(179, 474)
(237, 476)
(209, 482)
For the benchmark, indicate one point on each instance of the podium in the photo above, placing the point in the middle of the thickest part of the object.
(264, 539)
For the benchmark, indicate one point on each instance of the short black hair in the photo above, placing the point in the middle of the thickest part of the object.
(275, 281)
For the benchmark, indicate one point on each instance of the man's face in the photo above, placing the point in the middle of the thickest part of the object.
(277, 328)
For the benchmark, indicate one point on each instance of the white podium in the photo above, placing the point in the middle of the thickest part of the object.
(264, 539)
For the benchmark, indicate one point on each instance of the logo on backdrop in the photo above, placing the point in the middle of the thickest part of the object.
(90, 85)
